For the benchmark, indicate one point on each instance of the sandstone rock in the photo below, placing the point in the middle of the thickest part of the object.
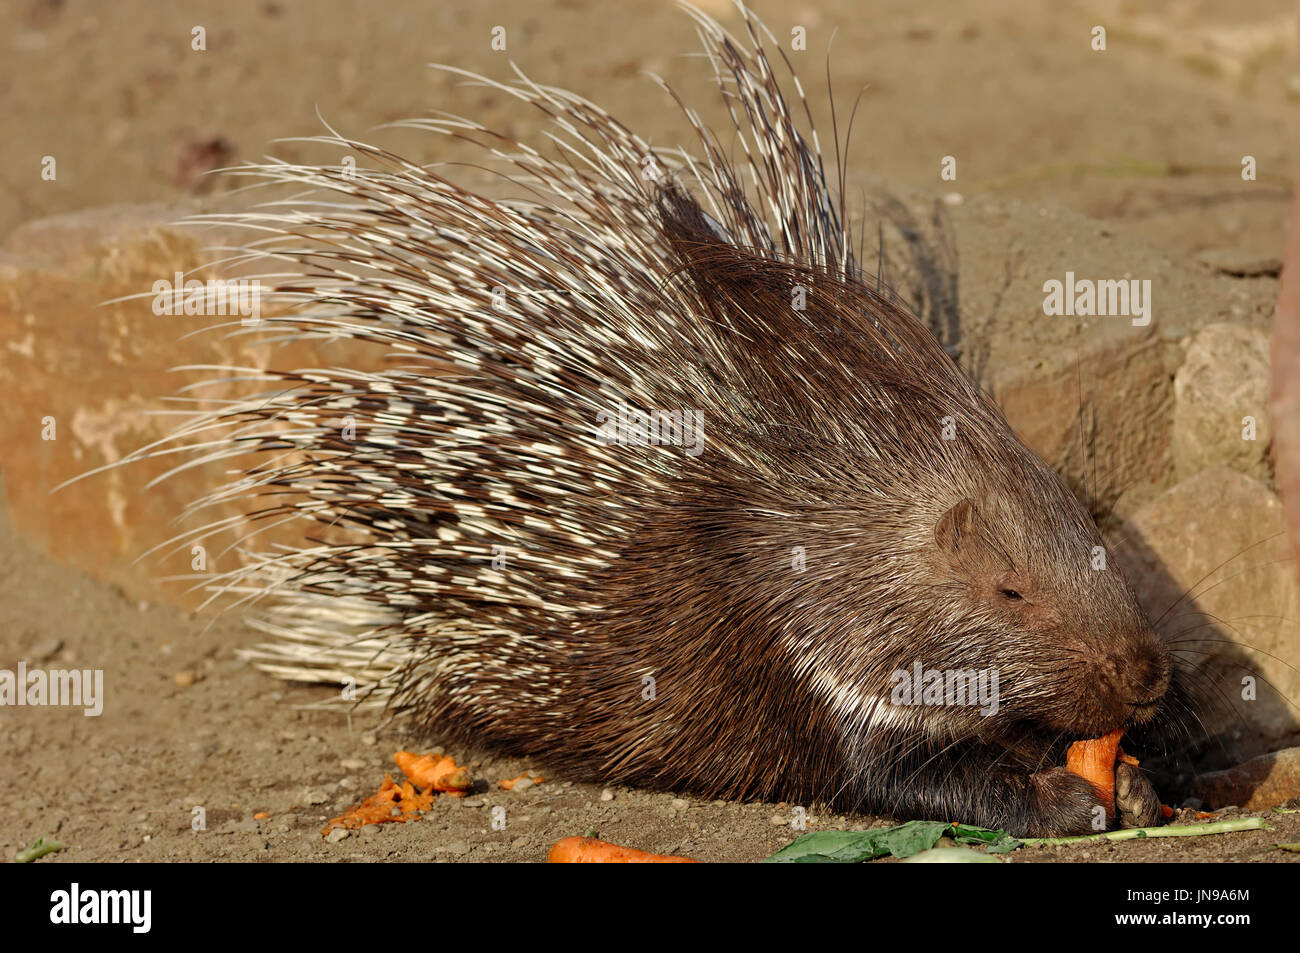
(1284, 406)
(1257, 785)
(1089, 394)
(1221, 402)
(99, 371)
(1241, 263)
(1218, 538)
(1103, 423)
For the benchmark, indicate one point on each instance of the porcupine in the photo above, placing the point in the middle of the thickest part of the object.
(725, 620)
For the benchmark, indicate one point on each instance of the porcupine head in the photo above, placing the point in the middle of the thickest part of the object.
(658, 489)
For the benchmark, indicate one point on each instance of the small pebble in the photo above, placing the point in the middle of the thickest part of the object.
(679, 803)
(338, 834)
(46, 650)
(607, 795)
(523, 784)
(368, 739)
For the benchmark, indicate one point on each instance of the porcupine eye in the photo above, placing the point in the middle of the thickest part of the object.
(1011, 595)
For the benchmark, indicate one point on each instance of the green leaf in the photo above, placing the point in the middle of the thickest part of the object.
(905, 840)
(996, 842)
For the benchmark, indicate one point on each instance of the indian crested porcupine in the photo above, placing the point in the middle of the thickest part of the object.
(658, 489)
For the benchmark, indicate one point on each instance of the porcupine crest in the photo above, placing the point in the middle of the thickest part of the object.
(651, 279)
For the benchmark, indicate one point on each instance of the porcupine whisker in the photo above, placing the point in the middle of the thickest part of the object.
(1191, 590)
(1177, 645)
(1198, 670)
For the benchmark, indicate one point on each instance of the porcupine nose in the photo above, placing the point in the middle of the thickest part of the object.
(1139, 677)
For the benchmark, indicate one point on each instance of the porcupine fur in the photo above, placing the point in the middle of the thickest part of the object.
(660, 280)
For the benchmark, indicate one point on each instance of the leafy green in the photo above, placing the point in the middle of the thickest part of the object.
(904, 840)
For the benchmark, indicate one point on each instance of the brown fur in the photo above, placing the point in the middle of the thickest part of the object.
(516, 325)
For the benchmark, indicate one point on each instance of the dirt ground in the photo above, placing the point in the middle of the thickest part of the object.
(1146, 138)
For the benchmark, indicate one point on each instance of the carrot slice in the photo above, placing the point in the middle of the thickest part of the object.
(589, 850)
(508, 784)
(1094, 761)
(435, 772)
(392, 802)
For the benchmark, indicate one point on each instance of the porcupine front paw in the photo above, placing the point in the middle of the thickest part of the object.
(1136, 801)
(1061, 804)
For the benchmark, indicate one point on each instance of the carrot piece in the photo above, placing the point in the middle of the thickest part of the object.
(1094, 761)
(589, 850)
(508, 784)
(1166, 811)
(435, 772)
(261, 816)
(392, 802)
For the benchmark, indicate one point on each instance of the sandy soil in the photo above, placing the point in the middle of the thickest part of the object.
(1143, 139)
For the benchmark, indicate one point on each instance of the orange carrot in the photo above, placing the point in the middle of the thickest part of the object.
(589, 850)
(261, 816)
(1094, 761)
(390, 803)
(1167, 812)
(508, 784)
(435, 772)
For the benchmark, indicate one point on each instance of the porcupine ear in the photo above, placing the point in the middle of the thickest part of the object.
(955, 531)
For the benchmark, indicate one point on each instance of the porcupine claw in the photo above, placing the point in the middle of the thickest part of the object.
(1136, 801)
